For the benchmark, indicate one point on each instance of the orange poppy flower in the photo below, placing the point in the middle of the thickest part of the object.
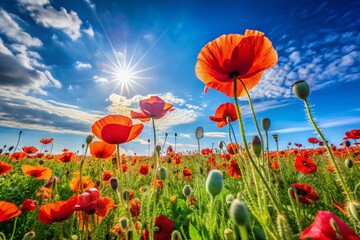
(66, 157)
(86, 182)
(29, 149)
(116, 129)
(187, 174)
(144, 169)
(39, 172)
(224, 114)
(106, 176)
(5, 168)
(46, 140)
(45, 191)
(135, 207)
(245, 57)
(57, 211)
(275, 165)
(233, 148)
(101, 149)
(8, 210)
(18, 156)
(153, 107)
(233, 169)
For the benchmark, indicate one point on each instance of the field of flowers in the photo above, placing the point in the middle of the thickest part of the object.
(232, 191)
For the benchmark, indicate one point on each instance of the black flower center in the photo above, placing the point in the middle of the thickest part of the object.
(233, 74)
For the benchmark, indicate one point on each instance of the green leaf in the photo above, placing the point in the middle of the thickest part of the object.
(194, 233)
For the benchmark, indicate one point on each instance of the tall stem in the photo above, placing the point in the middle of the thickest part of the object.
(328, 150)
(242, 131)
(18, 141)
(153, 124)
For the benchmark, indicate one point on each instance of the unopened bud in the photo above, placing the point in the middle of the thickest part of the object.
(158, 149)
(199, 133)
(349, 163)
(301, 89)
(41, 162)
(256, 145)
(97, 182)
(89, 139)
(347, 143)
(114, 183)
(126, 195)
(214, 182)
(162, 173)
(29, 235)
(239, 212)
(11, 148)
(221, 144)
(187, 190)
(265, 123)
(229, 234)
(124, 222)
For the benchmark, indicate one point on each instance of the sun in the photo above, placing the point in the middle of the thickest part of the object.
(124, 76)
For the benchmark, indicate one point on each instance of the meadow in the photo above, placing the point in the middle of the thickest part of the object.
(235, 190)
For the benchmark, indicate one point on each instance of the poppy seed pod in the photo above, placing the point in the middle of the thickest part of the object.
(230, 198)
(162, 172)
(214, 182)
(256, 145)
(199, 133)
(354, 209)
(239, 213)
(347, 143)
(187, 190)
(124, 222)
(265, 123)
(89, 139)
(126, 195)
(301, 89)
(158, 149)
(114, 183)
(229, 234)
(349, 163)
(221, 144)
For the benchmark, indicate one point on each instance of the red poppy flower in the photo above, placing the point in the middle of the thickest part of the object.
(135, 207)
(305, 165)
(8, 210)
(116, 129)
(353, 134)
(164, 227)
(206, 151)
(305, 193)
(46, 140)
(65, 150)
(5, 168)
(39, 155)
(29, 149)
(104, 206)
(321, 228)
(86, 182)
(313, 140)
(244, 56)
(144, 169)
(233, 169)
(153, 107)
(18, 156)
(299, 145)
(88, 201)
(101, 149)
(28, 205)
(57, 211)
(224, 114)
(187, 174)
(39, 172)
(233, 148)
(66, 156)
(275, 165)
(106, 176)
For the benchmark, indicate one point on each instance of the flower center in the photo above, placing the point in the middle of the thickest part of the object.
(233, 74)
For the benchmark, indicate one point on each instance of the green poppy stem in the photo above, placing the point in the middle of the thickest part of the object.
(153, 124)
(14, 228)
(337, 170)
(242, 131)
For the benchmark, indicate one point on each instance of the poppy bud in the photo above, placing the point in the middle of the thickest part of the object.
(11, 148)
(229, 234)
(230, 198)
(301, 89)
(158, 149)
(265, 123)
(221, 144)
(114, 183)
(256, 145)
(89, 139)
(175, 134)
(239, 212)
(166, 134)
(124, 222)
(187, 190)
(354, 209)
(97, 182)
(29, 235)
(199, 133)
(347, 143)
(126, 195)
(162, 173)
(28, 205)
(275, 137)
(41, 162)
(214, 182)
(349, 163)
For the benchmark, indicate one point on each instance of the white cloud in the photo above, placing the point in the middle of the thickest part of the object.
(216, 134)
(80, 65)
(89, 31)
(12, 30)
(100, 79)
(47, 16)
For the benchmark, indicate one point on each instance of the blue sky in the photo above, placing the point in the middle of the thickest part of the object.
(58, 63)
